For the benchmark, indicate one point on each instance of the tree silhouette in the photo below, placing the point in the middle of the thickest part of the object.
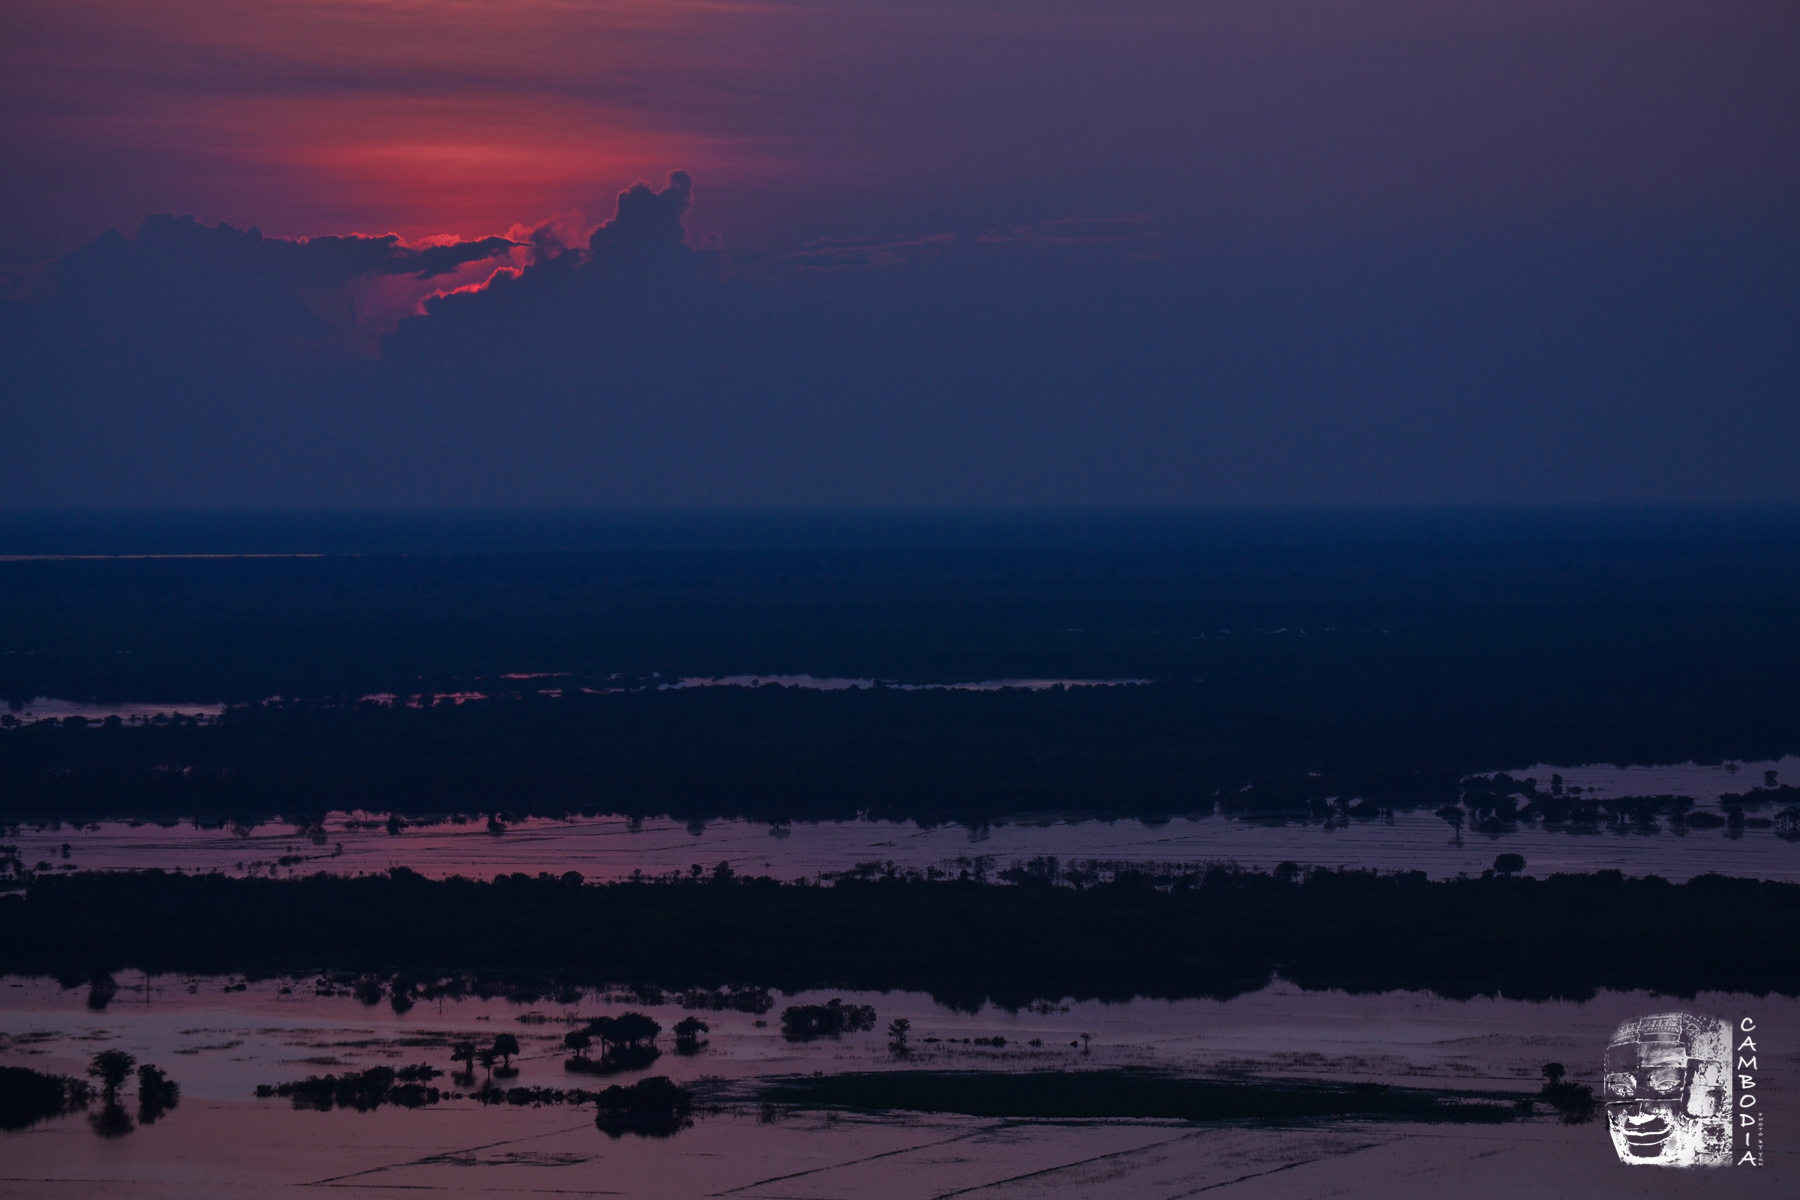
(631, 1028)
(464, 1053)
(897, 1031)
(1574, 1101)
(578, 1040)
(487, 1057)
(687, 1034)
(1509, 864)
(157, 1093)
(111, 1068)
(506, 1045)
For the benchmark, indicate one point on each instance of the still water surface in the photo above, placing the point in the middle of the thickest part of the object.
(221, 1141)
(610, 848)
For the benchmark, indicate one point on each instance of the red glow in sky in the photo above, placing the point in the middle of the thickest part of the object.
(1287, 121)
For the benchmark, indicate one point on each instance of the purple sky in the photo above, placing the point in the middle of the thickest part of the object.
(1267, 123)
(966, 251)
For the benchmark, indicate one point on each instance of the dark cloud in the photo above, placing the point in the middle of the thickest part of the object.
(649, 218)
(433, 261)
(179, 281)
(1061, 361)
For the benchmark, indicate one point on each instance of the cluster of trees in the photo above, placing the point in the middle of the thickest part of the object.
(1500, 803)
(778, 754)
(627, 1043)
(830, 1019)
(501, 1050)
(653, 1107)
(28, 1096)
(754, 1000)
(1212, 932)
(156, 1093)
(363, 1091)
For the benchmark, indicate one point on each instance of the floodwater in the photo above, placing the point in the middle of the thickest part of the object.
(45, 708)
(221, 1037)
(48, 708)
(611, 848)
(834, 684)
(221, 1141)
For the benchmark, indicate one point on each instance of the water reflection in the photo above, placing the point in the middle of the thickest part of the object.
(46, 708)
(1300, 1043)
(605, 848)
(28, 1096)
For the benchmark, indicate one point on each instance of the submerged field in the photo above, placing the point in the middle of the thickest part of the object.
(452, 845)
(848, 1116)
(1296, 662)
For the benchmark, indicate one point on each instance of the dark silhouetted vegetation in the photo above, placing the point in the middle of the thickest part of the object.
(829, 1019)
(1575, 1101)
(157, 1094)
(363, 1091)
(735, 999)
(688, 1031)
(1307, 664)
(653, 1107)
(1213, 932)
(627, 1043)
(112, 1068)
(27, 1096)
(530, 1097)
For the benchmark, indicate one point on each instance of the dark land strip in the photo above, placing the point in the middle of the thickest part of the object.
(1213, 933)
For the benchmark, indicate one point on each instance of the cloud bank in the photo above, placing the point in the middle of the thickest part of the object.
(1077, 360)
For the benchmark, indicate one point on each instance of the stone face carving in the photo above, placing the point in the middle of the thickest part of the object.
(1667, 1091)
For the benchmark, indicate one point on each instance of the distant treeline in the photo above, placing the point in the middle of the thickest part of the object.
(1673, 611)
(770, 753)
(1216, 933)
(777, 753)
(1369, 656)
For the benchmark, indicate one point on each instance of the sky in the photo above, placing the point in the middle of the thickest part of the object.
(899, 252)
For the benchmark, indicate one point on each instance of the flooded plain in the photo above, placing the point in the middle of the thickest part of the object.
(604, 848)
(220, 1037)
(50, 708)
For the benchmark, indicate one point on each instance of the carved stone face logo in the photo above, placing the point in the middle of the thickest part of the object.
(1668, 1091)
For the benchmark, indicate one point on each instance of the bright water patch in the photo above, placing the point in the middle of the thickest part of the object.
(46, 708)
(614, 848)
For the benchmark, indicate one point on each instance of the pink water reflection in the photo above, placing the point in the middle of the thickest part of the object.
(610, 848)
(219, 1044)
